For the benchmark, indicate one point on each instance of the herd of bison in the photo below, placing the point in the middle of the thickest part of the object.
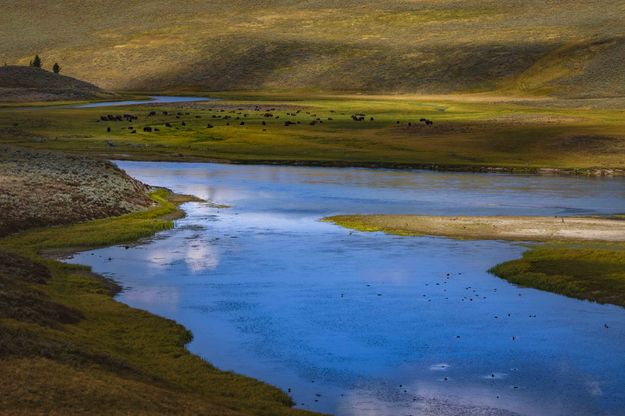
(174, 120)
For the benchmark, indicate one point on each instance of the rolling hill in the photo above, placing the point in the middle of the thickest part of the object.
(25, 83)
(569, 48)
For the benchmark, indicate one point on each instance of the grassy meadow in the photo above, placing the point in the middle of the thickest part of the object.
(467, 132)
(67, 347)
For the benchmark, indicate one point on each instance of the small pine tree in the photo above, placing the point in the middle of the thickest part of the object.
(36, 62)
(56, 68)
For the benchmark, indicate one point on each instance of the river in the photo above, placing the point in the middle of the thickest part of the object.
(358, 323)
(155, 99)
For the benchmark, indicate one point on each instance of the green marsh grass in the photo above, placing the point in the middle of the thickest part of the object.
(93, 354)
(468, 132)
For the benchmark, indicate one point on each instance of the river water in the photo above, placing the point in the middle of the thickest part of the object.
(155, 99)
(366, 323)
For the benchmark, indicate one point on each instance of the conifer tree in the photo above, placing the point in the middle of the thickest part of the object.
(36, 62)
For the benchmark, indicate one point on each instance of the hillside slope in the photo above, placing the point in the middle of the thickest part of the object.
(44, 188)
(25, 83)
(566, 47)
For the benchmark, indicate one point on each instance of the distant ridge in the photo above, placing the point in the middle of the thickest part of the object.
(25, 83)
(566, 48)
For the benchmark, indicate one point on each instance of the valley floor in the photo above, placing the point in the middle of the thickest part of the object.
(471, 132)
(75, 338)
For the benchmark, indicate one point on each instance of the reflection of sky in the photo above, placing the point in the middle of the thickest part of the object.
(198, 256)
(167, 297)
(435, 401)
(157, 99)
(325, 190)
(365, 323)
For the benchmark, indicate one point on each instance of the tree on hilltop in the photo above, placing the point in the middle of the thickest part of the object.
(36, 62)
(56, 68)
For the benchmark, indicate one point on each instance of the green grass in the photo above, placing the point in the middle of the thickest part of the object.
(98, 233)
(585, 271)
(361, 223)
(468, 133)
(68, 347)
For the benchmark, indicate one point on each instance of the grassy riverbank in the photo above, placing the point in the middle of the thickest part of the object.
(470, 133)
(68, 348)
(585, 271)
(581, 257)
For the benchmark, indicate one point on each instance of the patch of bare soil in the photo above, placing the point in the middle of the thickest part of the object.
(493, 228)
(39, 188)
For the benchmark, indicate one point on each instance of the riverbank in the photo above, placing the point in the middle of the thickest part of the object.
(581, 257)
(67, 347)
(41, 188)
(491, 228)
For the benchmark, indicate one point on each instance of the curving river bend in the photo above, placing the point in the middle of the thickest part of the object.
(370, 324)
(154, 99)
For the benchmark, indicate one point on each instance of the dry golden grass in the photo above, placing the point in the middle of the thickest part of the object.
(569, 47)
(29, 84)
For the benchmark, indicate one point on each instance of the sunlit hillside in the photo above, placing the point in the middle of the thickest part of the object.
(564, 47)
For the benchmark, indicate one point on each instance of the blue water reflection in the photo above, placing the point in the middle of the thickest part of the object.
(366, 323)
(156, 99)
